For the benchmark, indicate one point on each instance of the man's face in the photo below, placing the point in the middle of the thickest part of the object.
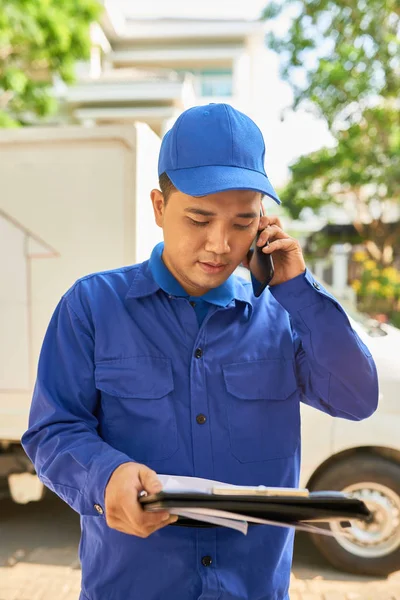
(206, 238)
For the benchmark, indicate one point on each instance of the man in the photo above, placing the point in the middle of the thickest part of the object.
(173, 366)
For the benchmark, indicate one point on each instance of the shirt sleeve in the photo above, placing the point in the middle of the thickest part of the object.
(335, 370)
(62, 440)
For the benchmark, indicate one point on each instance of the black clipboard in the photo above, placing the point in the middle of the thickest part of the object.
(316, 507)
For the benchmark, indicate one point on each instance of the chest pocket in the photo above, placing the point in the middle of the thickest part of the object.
(263, 410)
(137, 401)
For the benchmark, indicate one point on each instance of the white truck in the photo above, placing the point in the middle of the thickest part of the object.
(75, 201)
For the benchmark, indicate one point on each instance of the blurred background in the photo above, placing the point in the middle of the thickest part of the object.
(87, 90)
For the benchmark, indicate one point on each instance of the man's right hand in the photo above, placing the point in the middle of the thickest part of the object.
(123, 510)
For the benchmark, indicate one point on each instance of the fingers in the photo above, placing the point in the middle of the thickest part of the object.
(139, 518)
(141, 522)
(124, 512)
(270, 233)
(151, 521)
(271, 220)
(150, 518)
(149, 480)
(287, 244)
(148, 529)
(171, 519)
(130, 517)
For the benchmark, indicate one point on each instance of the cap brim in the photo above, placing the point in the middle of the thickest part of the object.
(202, 181)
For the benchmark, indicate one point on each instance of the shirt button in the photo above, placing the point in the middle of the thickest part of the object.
(201, 419)
(193, 304)
(99, 509)
(206, 561)
(316, 285)
(198, 353)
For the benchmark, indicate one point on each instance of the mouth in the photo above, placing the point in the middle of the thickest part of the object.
(212, 267)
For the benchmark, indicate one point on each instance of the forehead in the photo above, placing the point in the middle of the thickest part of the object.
(238, 201)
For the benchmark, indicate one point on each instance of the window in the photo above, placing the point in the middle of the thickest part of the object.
(216, 82)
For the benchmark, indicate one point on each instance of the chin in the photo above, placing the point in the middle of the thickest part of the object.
(209, 281)
(213, 282)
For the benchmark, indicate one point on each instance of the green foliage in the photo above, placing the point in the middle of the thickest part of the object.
(342, 59)
(40, 39)
(320, 242)
(346, 50)
(364, 166)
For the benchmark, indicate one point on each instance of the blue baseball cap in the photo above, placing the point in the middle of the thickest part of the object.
(215, 148)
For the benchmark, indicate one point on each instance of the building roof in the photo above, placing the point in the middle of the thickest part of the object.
(117, 26)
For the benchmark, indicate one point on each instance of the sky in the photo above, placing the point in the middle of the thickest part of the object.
(300, 133)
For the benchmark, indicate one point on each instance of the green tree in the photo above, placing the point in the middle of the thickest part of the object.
(342, 59)
(361, 173)
(40, 40)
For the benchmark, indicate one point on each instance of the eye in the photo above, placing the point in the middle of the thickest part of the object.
(198, 223)
(241, 227)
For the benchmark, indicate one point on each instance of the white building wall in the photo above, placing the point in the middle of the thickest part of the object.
(147, 231)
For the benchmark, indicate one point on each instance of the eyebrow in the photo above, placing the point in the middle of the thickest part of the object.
(206, 213)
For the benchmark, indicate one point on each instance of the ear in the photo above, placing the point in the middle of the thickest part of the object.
(158, 206)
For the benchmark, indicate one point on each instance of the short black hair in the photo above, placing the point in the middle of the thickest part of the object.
(166, 186)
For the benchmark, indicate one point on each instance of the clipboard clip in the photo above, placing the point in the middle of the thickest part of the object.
(260, 490)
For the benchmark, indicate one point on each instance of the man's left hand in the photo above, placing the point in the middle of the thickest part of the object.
(286, 252)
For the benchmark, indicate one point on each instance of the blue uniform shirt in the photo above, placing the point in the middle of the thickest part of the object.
(220, 296)
(124, 371)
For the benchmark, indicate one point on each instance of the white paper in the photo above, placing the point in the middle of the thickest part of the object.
(199, 514)
(176, 483)
(250, 519)
(240, 522)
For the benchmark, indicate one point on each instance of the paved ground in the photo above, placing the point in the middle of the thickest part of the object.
(38, 561)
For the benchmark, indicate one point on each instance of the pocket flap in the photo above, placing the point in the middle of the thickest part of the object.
(269, 379)
(135, 377)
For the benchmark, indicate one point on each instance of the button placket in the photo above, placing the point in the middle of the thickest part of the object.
(207, 553)
(202, 447)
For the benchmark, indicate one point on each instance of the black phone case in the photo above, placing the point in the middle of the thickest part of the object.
(267, 267)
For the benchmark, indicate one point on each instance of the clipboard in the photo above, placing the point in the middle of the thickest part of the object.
(291, 509)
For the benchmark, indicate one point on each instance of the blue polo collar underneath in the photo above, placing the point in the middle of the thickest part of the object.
(220, 296)
(144, 284)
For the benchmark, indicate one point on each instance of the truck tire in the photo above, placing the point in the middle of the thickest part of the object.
(372, 549)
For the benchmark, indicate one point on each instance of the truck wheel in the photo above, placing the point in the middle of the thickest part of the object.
(371, 549)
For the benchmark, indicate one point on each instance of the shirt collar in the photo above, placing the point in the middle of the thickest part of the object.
(153, 275)
(220, 296)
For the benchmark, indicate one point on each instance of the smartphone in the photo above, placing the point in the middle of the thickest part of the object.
(265, 265)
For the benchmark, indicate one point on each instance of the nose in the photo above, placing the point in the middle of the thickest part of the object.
(217, 241)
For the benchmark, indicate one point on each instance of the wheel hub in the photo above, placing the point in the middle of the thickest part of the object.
(382, 535)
